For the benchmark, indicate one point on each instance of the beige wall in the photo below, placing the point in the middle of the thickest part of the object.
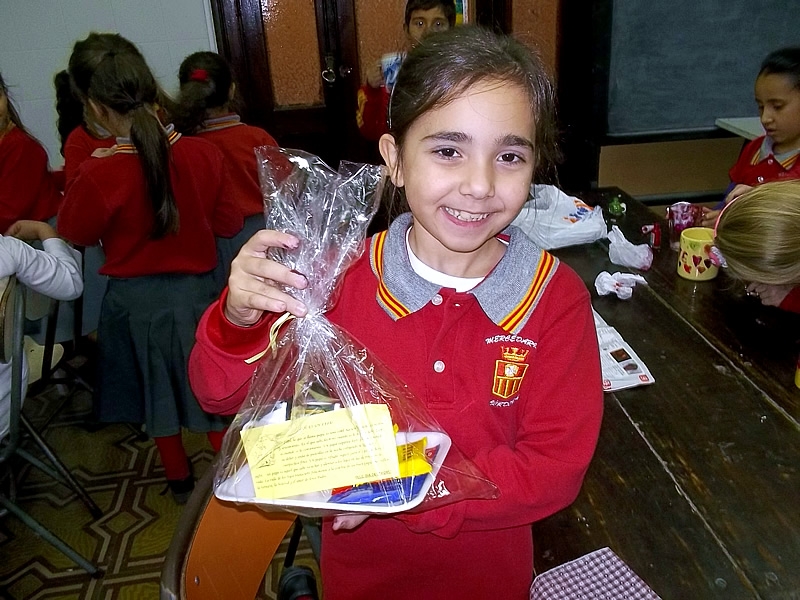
(685, 167)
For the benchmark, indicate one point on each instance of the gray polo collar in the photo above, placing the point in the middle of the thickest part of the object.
(508, 295)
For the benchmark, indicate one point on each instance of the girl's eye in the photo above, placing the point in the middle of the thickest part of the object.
(511, 157)
(446, 152)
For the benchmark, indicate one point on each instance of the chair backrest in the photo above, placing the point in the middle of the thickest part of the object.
(7, 300)
(12, 328)
(220, 550)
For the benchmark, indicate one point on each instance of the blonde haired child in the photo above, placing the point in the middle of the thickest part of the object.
(758, 236)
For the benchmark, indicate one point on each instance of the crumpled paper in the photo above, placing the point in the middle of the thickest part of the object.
(622, 252)
(621, 284)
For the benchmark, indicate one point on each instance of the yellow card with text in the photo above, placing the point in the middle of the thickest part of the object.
(318, 452)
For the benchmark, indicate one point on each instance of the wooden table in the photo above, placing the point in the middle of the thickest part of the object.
(695, 481)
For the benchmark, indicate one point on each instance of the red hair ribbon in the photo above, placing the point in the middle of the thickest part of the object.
(200, 75)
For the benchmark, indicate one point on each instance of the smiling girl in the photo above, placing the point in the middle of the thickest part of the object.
(455, 301)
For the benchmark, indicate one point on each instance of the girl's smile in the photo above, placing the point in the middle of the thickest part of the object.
(466, 168)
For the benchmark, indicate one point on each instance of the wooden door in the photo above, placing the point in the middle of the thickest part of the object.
(296, 64)
(299, 63)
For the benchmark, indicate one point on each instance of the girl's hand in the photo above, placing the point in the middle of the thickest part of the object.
(345, 522)
(770, 295)
(375, 75)
(255, 281)
(736, 192)
(709, 217)
(31, 230)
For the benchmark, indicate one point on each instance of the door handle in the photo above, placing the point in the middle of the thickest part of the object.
(328, 73)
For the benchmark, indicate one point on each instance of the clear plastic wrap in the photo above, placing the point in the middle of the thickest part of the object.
(326, 428)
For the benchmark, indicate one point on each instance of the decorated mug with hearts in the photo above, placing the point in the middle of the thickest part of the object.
(694, 258)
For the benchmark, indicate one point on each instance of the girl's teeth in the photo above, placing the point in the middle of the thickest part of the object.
(465, 216)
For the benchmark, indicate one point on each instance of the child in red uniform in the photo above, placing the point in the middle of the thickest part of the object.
(204, 108)
(774, 156)
(155, 204)
(448, 291)
(27, 187)
(421, 18)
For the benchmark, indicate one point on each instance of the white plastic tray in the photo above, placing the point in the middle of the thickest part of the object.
(239, 487)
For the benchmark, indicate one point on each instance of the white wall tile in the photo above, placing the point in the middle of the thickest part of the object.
(142, 21)
(41, 23)
(36, 38)
(183, 19)
(81, 17)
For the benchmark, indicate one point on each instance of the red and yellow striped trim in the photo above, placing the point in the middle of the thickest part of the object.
(131, 149)
(786, 164)
(385, 297)
(789, 162)
(543, 270)
(222, 123)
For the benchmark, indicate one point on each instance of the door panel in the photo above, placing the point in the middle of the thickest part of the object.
(298, 66)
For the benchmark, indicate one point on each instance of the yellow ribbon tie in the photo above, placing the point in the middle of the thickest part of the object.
(273, 338)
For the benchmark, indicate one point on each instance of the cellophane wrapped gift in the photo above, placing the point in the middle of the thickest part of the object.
(326, 428)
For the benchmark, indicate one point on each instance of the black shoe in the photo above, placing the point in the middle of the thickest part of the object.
(296, 583)
(181, 489)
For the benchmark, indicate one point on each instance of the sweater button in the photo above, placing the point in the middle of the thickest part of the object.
(436, 300)
(760, 179)
(438, 366)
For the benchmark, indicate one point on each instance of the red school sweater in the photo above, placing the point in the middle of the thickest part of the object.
(27, 187)
(749, 170)
(534, 440)
(78, 149)
(237, 142)
(108, 204)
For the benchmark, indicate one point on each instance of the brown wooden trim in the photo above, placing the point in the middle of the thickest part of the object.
(239, 27)
(495, 14)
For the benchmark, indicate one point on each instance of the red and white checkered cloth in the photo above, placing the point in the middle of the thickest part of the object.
(599, 575)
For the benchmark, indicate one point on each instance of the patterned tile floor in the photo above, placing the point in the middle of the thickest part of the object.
(123, 475)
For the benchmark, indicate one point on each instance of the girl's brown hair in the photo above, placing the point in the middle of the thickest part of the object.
(758, 234)
(446, 64)
(123, 83)
(205, 80)
(13, 115)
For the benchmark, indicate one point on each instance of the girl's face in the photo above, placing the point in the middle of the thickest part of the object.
(779, 105)
(466, 167)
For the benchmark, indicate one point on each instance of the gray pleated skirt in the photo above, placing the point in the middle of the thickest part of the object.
(146, 332)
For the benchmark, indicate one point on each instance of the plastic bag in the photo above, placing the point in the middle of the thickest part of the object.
(326, 428)
(621, 284)
(553, 219)
(622, 252)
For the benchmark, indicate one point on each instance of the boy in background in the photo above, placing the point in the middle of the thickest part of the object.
(422, 17)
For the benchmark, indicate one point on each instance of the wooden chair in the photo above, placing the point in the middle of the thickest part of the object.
(12, 320)
(221, 550)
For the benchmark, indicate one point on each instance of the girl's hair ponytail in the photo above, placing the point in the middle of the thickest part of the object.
(152, 144)
(205, 79)
(124, 83)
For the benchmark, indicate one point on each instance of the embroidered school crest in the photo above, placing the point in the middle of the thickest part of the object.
(509, 371)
